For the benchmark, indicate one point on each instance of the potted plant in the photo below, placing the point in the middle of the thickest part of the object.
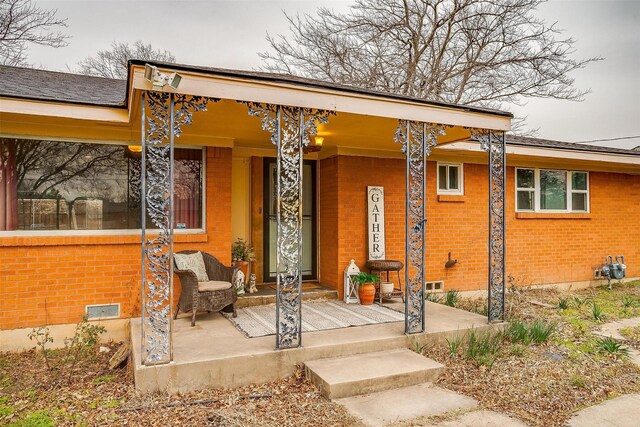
(242, 254)
(366, 287)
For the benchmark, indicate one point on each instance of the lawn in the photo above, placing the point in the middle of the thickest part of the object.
(549, 361)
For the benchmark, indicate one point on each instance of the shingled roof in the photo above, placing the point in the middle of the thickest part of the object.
(548, 143)
(44, 85)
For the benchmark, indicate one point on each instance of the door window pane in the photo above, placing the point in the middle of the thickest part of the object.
(525, 178)
(442, 177)
(553, 190)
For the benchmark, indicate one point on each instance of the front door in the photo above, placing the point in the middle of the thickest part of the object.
(309, 260)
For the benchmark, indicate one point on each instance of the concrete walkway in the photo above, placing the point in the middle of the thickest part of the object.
(623, 411)
(414, 405)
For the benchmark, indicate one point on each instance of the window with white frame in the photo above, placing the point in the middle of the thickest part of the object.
(549, 190)
(450, 178)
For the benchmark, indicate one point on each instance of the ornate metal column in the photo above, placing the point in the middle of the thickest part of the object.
(290, 129)
(416, 138)
(494, 143)
(164, 114)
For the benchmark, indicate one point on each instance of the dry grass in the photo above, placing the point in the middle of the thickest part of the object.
(544, 384)
(97, 396)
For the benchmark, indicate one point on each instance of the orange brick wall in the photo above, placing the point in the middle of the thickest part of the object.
(538, 250)
(51, 279)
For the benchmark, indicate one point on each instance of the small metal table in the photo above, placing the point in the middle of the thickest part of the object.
(378, 266)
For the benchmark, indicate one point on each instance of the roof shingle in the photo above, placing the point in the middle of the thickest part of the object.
(31, 83)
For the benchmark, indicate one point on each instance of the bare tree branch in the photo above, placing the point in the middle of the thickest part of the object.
(22, 23)
(479, 52)
(112, 63)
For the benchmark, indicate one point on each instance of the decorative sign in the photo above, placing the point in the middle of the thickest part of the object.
(375, 207)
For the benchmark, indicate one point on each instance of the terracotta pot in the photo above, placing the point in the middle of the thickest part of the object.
(367, 293)
(244, 267)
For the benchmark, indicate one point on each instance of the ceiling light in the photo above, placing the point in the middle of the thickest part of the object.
(135, 148)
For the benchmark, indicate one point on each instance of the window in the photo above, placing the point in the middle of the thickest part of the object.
(525, 189)
(551, 190)
(52, 185)
(450, 178)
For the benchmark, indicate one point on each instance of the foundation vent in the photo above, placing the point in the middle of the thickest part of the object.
(437, 286)
(597, 274)
(102, 311)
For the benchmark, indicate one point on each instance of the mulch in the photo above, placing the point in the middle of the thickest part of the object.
(544, 384)
(99, 396)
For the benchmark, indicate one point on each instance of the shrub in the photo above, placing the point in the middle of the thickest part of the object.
(563, 303)
(629, 302)
(539, 332)
(596, 312)
(451, 298)
(517, 331)
(483, 348)
(454, 345)
(612, 346)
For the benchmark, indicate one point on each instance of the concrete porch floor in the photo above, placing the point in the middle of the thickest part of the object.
(216, 354)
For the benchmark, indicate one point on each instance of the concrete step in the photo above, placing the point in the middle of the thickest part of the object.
(371, 372)
(416, 403)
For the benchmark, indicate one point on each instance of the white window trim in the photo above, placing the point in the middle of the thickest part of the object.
(457, 192)
(124, 231)
(536, 191)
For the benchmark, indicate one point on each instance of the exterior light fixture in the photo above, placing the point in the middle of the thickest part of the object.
(159, 80)
(315, 147)
(135, 148)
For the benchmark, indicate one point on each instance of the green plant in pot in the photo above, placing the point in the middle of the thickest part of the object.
(242, 254)
(366, 287)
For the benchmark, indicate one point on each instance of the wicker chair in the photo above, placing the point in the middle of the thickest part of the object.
(192, 299)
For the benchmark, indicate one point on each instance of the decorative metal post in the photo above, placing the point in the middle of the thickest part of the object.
(164, 114)
(494, 143)
(290, 129)
(416, 139)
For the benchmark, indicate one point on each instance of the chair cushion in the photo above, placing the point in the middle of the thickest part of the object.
(193, 262)
(213, 285)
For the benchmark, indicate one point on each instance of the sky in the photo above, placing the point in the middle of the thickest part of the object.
(229, 34)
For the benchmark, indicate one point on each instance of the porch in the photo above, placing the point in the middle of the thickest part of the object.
(216, 354)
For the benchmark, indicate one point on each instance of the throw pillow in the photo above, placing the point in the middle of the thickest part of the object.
(193, 262)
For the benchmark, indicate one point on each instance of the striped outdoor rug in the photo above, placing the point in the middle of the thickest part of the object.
(260, 321)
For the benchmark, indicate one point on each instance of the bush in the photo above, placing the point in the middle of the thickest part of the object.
(596, 312)
(451, 298)
(611, 346)
(537, 332)
(483, 348)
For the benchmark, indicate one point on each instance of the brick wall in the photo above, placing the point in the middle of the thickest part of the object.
(539, 250)
(51, 279)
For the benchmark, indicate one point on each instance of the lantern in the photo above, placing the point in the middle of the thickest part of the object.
(350, 288)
